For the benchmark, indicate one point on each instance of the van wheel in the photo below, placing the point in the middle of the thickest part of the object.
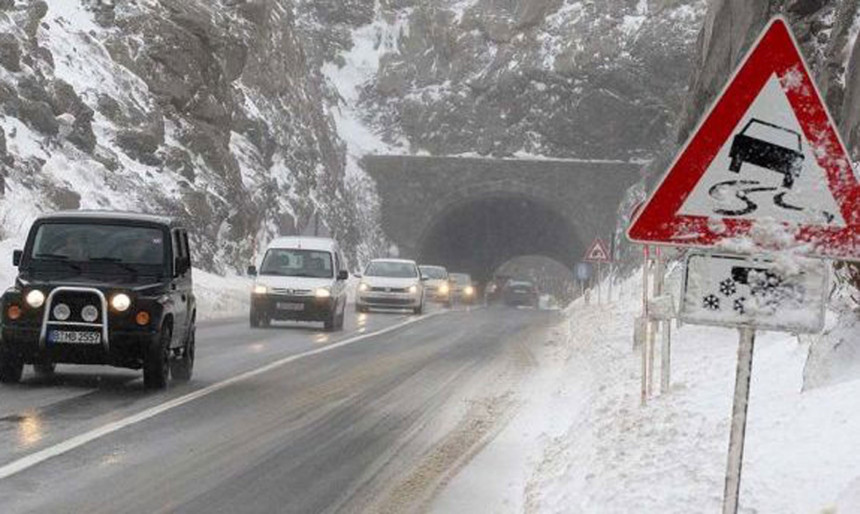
(156, 362)
(331, 320)
(44, 369)
(11, 367)
(254, 319)
(182, 368)
(418, 310)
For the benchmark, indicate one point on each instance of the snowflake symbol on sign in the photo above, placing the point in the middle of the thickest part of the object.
(741, 306)
(728, 287)
(711, 302)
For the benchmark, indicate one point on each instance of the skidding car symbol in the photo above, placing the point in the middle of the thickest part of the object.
(768, 155)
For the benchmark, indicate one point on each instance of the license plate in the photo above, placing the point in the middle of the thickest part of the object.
(69, 337)
(291, 306)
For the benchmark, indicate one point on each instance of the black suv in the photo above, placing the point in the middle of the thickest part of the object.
(101, 288)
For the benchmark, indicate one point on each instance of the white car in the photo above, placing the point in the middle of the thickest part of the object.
(300, 279)
(391, 284)
(437, 285)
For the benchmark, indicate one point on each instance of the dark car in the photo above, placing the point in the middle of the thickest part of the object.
(104, 288)
(775, 157)
(521, 293)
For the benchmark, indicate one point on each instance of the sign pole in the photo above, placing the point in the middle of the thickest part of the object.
(599, 278)
(644, 349)
(666, 355)
(739, 421)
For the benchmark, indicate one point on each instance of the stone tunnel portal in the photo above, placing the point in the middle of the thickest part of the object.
(479, 235)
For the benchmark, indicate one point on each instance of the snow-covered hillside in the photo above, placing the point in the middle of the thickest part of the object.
(206, 111)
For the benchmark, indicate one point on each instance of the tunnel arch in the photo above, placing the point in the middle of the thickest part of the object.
(478, 231)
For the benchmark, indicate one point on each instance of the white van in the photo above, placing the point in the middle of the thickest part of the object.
(300, 279)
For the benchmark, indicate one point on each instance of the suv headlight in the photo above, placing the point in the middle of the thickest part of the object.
(469, 290)
(363, 287)
(413, 289)
(444, 288)
(35, 298)
(322, 292)
(260, 289)
(121, 302)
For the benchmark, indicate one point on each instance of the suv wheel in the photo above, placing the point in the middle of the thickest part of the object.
(156, 363)
(182, 367)
(419, 309)
(11, 367)
(254, 319)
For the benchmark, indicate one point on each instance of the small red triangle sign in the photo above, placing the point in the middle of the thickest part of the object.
(765, 168)
(598, 252)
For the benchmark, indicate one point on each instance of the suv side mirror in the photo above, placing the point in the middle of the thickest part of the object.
(182, 266)
(252, 271)
(356, 274)
(16, 257)
(343, 275)
(424, 279)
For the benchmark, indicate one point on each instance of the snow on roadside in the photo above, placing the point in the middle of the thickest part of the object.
(584, 444)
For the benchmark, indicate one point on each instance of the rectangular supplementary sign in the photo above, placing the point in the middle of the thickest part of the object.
(732, 291)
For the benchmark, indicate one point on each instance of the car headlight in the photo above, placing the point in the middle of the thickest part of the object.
(35, 298)
(413, 289)
(322, 292)
(444, 289)
(363, 287)
(260, 289)
(120, 302)
(469, 291)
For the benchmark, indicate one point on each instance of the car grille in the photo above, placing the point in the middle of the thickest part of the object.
(390, 289)
(390, 301)
(76, 302)
(290, 292)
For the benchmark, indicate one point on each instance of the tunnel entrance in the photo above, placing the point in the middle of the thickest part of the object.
(479, 235)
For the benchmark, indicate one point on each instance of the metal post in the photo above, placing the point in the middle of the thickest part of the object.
(739, 421)
(652, 339)
(666, 355)
(599, 278)
(644, 350)
(645, 363)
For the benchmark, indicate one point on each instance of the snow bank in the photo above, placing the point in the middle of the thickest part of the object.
(670, 455)
(583, 442)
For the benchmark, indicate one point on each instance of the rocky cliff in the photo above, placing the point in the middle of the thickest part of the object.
(206, 110)
(560, 78)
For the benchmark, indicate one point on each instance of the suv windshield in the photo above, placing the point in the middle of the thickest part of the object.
(433, 272)
(391, 269)
(297, 263)
(98, 243)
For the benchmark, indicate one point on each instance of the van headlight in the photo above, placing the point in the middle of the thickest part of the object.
(413, 290)
(260, 289)
(363, 287)
(35, 298)
(469, 291)
(322, 292)
(444, 289)
(120, 302)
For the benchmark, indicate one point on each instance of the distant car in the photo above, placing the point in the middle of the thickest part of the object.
(521, 293)
(437, 285)
(391, 284)
(775, 157)
(97, 287)
(463, 289)
(300, 279)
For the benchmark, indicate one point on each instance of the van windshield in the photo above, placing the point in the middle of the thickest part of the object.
(297, 263)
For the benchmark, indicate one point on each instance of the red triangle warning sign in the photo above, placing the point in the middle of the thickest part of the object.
(598, 252)
(765, 168)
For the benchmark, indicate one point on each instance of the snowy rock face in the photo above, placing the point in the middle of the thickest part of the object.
(207, 110)
(560, 78)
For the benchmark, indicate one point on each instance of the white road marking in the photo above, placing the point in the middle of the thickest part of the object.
(75, 442)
